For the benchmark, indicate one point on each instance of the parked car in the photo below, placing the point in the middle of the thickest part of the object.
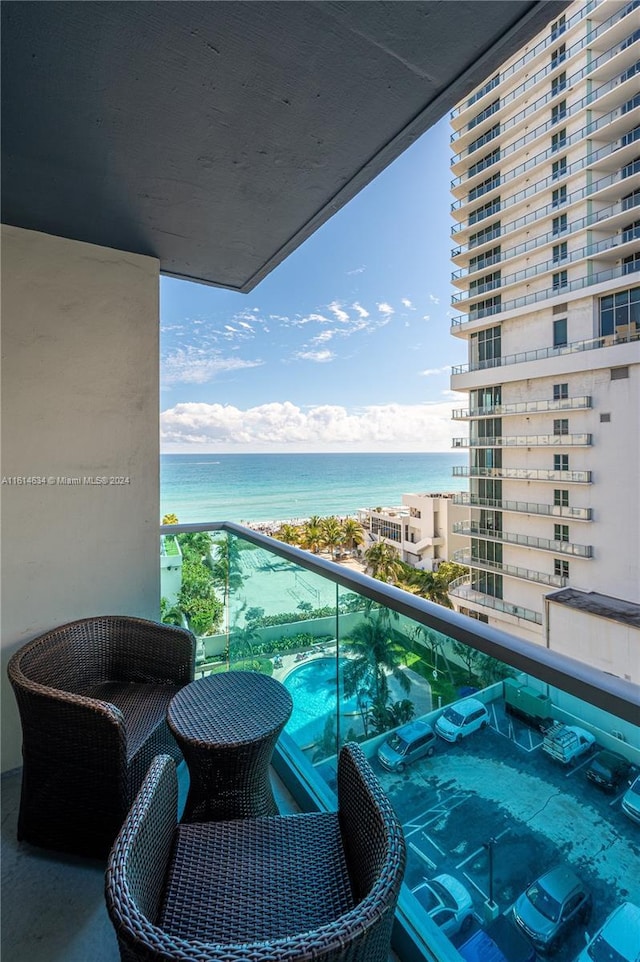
(551, 906)
(447, 902)
(631, 800)
(459, 720)
(618, 940)
(608, 770)
(412, 741)
(566, 743)
(499, 941)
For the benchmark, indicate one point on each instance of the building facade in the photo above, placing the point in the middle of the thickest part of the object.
(546, 199)
(421, 528)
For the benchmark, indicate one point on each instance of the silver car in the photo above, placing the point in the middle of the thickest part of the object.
(412, 741)
(631, 801)
(552, 905)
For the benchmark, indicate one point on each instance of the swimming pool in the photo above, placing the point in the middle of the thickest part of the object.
(313, 689)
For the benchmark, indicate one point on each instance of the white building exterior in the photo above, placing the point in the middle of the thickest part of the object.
(546, 198)
(421, 528)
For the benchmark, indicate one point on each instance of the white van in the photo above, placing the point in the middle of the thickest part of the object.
(459, 720)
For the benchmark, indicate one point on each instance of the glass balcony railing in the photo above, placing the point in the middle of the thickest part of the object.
(576, 106)
(559, 287)
(575, 347)
(525, 441)
(591, 220)
(463, 589)
(524, 507)
(362, 659)
(479, 288)
(523, 407)
(465, 557)
(523, 474)
(590, 130)
(504, 204)
(472, 528)
(530, 55)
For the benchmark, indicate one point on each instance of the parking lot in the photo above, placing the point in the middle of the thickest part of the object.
(498, 784)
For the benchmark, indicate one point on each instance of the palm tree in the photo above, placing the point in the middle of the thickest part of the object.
(241, 641)
(225, 570)
(429, 585)
(195, 545)
(312, 538)
(332, 534)
(171, 614)
(288, 533)
(353, 533)
(383, 562)
(170, 519)
(374, 655)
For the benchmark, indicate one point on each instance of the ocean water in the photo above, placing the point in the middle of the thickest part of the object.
(279, 487)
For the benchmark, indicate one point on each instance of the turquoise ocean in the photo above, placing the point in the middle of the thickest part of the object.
(280, 487)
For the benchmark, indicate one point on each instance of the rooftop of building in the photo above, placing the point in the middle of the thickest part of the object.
(616, 609)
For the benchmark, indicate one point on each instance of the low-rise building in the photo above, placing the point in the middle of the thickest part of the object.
(420, 528)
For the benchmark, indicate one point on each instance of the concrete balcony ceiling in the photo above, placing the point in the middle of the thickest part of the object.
(219, 136)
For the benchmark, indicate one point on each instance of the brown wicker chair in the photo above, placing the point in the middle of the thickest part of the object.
(280, 888)
(93, 698)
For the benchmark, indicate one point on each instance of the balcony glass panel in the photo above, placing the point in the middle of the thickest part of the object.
(525, 440)
(523, 474)
(536, 355)
(361, 659)
(528, 541)
(524, 507)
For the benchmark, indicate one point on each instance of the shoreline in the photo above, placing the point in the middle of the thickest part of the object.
(269, 527)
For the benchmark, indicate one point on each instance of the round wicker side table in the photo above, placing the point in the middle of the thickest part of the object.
(227, 726)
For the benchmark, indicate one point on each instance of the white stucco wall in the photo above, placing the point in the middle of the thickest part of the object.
(609, 645)
(80, 385)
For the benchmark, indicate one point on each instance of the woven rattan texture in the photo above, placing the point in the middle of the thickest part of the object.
(230, 708)
(250, 869)
(227, 726)
(272, 875)
(84, 757)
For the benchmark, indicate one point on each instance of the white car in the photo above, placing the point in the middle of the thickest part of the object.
(631, 800)
(459, 720)
(619, 938)
(447, 902)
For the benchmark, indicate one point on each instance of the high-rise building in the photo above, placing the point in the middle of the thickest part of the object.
(546, 198)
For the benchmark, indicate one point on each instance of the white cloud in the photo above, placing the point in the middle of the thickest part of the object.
(429, 371)
(385, 308)
(285, 426)
(434, 299)
(426, 317)
(357, 270)
(323, 337)
(319, 357)
(361, 310)
(193, 365)
(407, 303)
(336, 309)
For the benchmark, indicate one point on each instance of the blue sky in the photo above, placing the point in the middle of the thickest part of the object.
(343, 347)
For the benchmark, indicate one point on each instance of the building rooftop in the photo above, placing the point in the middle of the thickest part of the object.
(626, 612)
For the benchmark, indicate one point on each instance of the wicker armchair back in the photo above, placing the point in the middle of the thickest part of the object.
(92, 697)
(318, 887)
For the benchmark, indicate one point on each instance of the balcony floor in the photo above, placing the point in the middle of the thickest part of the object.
(53, 907)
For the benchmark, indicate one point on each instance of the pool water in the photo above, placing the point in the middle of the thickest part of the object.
(313, 689)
